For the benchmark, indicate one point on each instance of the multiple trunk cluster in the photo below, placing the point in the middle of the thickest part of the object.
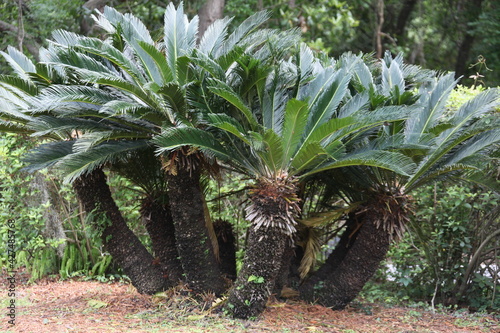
(184, 252)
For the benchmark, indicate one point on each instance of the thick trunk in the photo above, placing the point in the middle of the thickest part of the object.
(334, 259)
(195, 249)
(211, 11)
(158, 222)
(123, 245)
(227, 248)
(348, 269)
(473, 11)
(261, 266)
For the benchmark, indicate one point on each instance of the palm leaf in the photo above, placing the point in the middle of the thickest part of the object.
(294, 123)
(392, 161)
(19, 62)
(47, 155)
(176, 137)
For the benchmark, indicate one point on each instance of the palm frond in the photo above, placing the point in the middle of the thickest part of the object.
(76, 164)
(214, 36)
(295, 120)
(248, 26)
(47, 155)
(393, 161)
(20, 63)
(176, 137)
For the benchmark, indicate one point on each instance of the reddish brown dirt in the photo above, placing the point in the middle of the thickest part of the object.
(89, 306)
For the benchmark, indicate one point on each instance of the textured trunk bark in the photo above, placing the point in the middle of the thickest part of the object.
(348, 269)
(123, 245)
(334, 259)
(196, 253)
(473, 11)
(261, 266)
(211, 11)
(227, 249)
(158, 222)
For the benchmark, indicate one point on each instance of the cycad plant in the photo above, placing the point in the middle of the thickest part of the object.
(122, 92)
(284, 120)
(455, 146)
(18, 93)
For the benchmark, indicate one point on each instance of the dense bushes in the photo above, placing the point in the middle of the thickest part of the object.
(53, 236)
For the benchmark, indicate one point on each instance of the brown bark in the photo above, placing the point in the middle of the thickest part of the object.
(473, 10)
(347, 278)
(261, 266)
(211, 11)
(157, 219)
(195, 249)
(227, 248)
(123, 245)
(378, 30)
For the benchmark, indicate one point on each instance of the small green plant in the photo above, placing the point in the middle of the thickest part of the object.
(256, 279)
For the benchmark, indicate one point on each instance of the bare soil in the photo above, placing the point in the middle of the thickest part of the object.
(91, 306)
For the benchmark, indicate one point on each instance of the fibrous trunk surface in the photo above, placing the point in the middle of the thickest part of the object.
(156, 216)
(348, 269)
(123, 245)
(261, 266)
(193, 244)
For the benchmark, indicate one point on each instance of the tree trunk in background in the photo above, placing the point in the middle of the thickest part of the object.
(157, 219)
(211, 11)
(378, 31)
(195, 249)
(403, 18)
(123, 245)
(261, 266)
(227, 248)
(473, 10)
(338, 285)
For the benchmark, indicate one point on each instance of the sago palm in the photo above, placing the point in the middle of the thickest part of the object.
(283, 121)
(17, 101)
(139, 87)
(455, 146)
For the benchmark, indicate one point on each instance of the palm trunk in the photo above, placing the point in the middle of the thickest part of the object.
(123, 245)
(272, 213)
(261, 267)
(158, 222)
(193, 243)
(227, 249)
(348, 269)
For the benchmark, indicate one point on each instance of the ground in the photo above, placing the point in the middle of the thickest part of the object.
(91, 306)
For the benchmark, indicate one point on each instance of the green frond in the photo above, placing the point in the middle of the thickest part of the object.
(295, 120)
(76, 164)
(180, 36)
(433, 101)
(176, 137)
(223, 90)
(208, 64)
(214, 36)
(10, 127)
(392, 161)
(308, 157)
(20, 63)
(159, 62)
(44, 125)
(47, 155)
(248, 26)
(392, 78)
(326, 93)
(18, 84)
